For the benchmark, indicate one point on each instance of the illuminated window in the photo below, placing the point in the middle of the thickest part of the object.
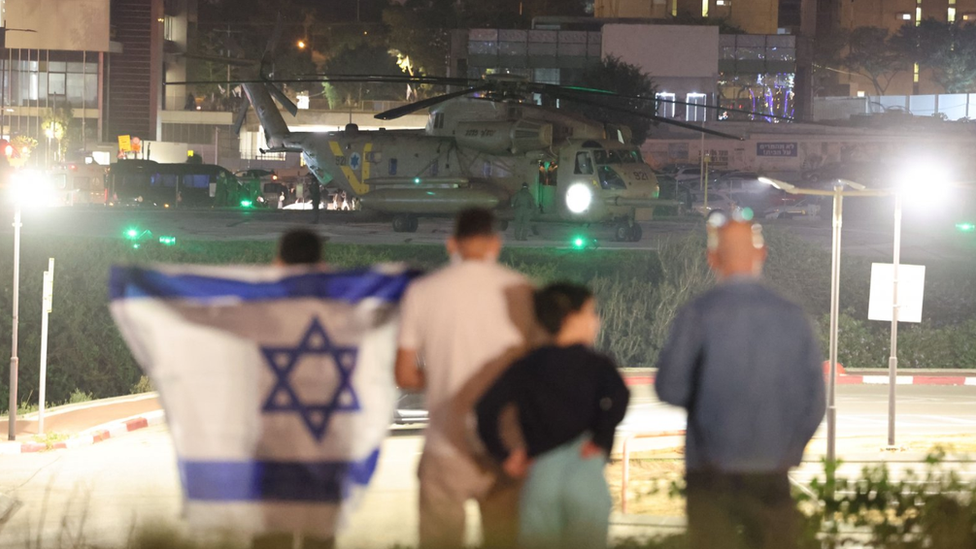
(918, 12)
(168, 28)
(674, 8)
(704, 8)
(951, 14)
(663, 107)
(695, 111)
(969, 17)
(904, 16)
(916, 74)
(727, 3)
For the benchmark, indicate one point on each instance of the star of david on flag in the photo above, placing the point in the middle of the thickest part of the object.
(277, 385)
(284, 398)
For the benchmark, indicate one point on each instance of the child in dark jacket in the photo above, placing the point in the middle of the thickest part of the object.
(569, 400)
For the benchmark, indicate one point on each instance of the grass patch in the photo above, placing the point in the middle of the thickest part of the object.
(638, 291)
(50, 439)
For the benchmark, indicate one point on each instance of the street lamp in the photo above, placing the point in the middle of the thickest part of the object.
(838, 195)
(22, 183)
(907, 183)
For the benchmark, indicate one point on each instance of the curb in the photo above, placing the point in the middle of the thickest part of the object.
(645, 376)
(846, 379)
(91, 436)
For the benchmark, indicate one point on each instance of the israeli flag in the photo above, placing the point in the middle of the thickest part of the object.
(277, 385)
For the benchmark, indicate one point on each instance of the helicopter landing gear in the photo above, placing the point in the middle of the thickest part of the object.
(628, 231)
(405, 223)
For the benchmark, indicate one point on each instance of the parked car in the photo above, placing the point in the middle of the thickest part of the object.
(410, 409)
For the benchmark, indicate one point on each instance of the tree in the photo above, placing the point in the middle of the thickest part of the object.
(828, 60)
(417, 30)
(616, 76)
(55, 126)
(362, 60)
(947, 49)
(872, 55)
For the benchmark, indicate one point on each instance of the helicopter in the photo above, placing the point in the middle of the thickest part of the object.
(479, 146)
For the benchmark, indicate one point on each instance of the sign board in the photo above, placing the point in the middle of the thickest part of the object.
(776, 149)
(48, 290)
(125, 143)
(911, 287)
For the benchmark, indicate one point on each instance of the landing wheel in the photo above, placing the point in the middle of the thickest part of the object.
(636, 233)
(622, 232)
(403, 223)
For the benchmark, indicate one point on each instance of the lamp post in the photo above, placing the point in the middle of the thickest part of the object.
(838, 195)
(893, 359)
(14, 360)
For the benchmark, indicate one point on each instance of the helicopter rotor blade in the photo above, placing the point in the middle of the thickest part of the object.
(570, 90)
(605, 93)
(654, 117)
(426, 103)
(241, 116)
(272, 47)
(282, 98)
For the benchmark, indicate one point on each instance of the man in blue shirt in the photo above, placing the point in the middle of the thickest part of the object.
(745, 364)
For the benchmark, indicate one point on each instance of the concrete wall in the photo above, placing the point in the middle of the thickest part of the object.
(665, 50)
(76, 25)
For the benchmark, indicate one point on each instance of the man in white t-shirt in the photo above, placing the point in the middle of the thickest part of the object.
(466, 323)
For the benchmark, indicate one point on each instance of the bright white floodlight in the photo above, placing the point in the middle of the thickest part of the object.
(923, 185)
(578, 197)
(31, 189)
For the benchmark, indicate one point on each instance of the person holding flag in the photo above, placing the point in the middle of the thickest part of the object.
(277, 382)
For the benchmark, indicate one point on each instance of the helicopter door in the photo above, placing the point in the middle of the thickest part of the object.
(546, 186)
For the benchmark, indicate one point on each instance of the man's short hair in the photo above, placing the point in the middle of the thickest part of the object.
(300, 247)
(557, 301)
(474, 222)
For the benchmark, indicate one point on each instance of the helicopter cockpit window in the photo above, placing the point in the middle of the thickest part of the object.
(610, 179)
(584, 165)
(601, 157)
(615, 157)
(628, 157)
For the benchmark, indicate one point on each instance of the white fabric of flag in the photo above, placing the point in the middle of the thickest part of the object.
(277, 384)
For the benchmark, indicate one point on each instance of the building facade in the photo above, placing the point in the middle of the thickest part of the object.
(845, 15)
(752, 16)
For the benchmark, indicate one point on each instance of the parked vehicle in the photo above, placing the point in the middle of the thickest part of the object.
(149, 183)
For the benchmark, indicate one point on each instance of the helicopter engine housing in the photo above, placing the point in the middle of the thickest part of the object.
(504, 137)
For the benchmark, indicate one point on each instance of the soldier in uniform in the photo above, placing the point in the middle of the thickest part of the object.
(524, 205)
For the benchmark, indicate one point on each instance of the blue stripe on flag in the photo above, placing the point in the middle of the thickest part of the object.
(355, 285)
(253, 480)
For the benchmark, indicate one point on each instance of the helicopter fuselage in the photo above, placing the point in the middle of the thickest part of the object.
(479, 153)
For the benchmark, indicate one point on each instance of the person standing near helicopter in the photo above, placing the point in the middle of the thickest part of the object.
(524, 205)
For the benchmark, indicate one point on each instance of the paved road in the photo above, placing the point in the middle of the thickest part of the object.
(108, 486)
(921, 242)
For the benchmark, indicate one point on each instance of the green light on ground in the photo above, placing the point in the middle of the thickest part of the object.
(579, 243)
(136, 246)
(246, 203)
(416, 180)
(966, 227)
(167, 240)
(131, 234)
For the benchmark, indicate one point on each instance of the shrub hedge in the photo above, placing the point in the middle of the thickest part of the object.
(638, 291)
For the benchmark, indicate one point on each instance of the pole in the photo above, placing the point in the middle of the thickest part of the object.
(893, 360)
(46, 299)
(838, 217)
(14, 361)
